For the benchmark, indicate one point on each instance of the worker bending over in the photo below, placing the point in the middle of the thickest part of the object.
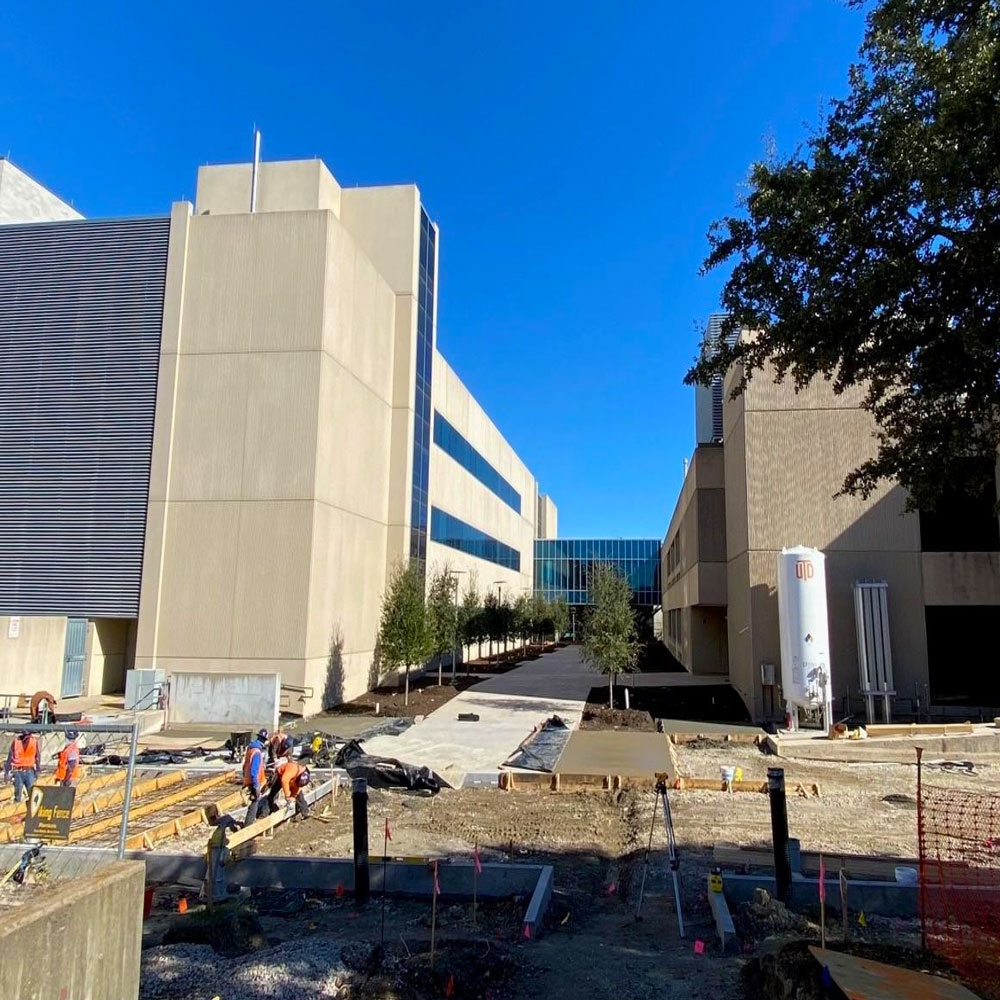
(254, 777)
(68, 761)
(24, 759)
(278, 746)
(291, 779)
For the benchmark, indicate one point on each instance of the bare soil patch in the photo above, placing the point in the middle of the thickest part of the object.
(597, 717)
(425, 697)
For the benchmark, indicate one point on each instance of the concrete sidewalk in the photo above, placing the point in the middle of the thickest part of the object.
(508, 705)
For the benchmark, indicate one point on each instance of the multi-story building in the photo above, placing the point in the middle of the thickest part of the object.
(772, 483)
(220, 429)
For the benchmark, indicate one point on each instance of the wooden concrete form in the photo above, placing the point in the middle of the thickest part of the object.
(540, 781)
(175, 826)
(760, 787)
(7, 793)
(104, 800)
(12, 810)
(186, 792)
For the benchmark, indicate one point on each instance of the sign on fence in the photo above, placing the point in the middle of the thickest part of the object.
(50, 812)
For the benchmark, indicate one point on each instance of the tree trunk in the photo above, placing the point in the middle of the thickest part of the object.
(454, 664)
(611, 691)
(406, 696)
(440, 657)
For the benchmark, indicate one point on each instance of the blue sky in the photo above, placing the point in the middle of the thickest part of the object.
(573, 155)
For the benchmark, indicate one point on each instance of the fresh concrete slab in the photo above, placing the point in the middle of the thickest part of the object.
(509, 706)
(632, 755)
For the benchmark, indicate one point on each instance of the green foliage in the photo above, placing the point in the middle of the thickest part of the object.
(871, 257)
(471, 614)
(610, 643)
(524, 617)
(442, 615)
(558, 615)
(404, 637)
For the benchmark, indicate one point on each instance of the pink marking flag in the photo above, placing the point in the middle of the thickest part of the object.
(527, 931)
(699, 947)
(476, 861)
(822, 880)
(437, 885)
(388, 835)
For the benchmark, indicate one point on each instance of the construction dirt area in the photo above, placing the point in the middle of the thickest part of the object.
(304, 944)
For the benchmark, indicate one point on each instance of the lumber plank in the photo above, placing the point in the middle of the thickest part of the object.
(82, 788)
(718, 785)
(186, 792)
(12, 831)
(920, 729)
(147, 839)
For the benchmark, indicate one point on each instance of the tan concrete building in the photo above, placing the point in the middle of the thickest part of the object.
(305, 437)
(771, 484)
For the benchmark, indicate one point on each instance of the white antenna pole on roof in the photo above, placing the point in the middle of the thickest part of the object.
(254, 166)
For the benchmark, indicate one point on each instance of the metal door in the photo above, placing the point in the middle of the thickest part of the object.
(76, 649)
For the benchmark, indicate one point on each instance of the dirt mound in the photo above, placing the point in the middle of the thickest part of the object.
(765, 917)
(462, 970)
(595, 717)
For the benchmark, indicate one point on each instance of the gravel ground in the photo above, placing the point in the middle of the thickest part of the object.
(309, 969)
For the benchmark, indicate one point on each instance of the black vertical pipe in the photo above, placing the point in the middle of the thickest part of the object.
(359, 803)
(779, 833)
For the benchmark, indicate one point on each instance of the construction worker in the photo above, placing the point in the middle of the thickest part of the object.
(68, 761)
(291, 779)
(24, 759)
(278, 746)
(254, 776)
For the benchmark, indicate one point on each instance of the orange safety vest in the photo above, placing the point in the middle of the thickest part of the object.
(68, 763)
(25, 757)
(253, 767)
(288, 772)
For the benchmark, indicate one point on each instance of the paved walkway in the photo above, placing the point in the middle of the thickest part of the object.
(508, 705)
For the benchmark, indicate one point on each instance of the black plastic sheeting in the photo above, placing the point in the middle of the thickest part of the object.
(385, 772)
(541, 749)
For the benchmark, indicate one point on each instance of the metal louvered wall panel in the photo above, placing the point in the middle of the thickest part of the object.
(81, 305)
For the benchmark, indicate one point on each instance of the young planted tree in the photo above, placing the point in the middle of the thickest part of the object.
(524, 609)
(610, 642)
(539, 617)
(404, 637)
(472, 618)
(492, 622)
(870, 257)
(559, 616)
(508, 622)
(442, 616)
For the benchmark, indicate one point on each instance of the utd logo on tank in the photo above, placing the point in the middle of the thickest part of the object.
(804, 569)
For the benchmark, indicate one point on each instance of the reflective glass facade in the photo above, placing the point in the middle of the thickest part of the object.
(456, 534)
(451, 441)
(563, 565)
(422, 404)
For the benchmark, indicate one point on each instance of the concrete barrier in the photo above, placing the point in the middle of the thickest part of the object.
(245, 701)
(79, 938)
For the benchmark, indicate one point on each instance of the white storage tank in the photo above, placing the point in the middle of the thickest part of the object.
(805, 633)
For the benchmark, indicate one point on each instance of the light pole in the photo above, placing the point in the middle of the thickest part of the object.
(454, 574)
(499, 585)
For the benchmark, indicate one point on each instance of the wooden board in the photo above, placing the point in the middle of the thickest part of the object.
(920, 729)
(863, 979)
(135, 812)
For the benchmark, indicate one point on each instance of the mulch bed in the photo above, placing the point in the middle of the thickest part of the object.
(425, 697)
(597, 717)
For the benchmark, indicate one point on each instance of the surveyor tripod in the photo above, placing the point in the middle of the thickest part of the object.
(660, 795)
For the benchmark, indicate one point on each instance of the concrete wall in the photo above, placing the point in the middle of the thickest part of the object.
(280, 489)
(23, 199)
(457, 492)
(693, 566)
(80, 938)
(547, 519)
(34, 660)
(786, 456)
(108, 655)
(237, 700)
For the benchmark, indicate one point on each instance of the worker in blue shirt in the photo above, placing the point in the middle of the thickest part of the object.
(254, 777)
